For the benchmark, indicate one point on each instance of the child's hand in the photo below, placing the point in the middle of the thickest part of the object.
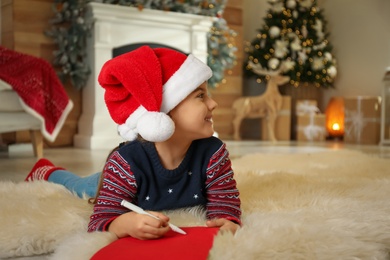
(223, 224)
(140, 226)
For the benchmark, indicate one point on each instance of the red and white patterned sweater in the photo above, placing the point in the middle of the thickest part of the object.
(134, 173)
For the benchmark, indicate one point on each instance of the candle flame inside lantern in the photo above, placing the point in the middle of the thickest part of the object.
(335, 117)
(336, 127)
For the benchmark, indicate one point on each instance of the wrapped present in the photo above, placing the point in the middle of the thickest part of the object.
(311, 127)
(362, 120)
(282, 122)
(306, 107)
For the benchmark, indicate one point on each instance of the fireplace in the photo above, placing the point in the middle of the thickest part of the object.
(131, 47)
(118, 29)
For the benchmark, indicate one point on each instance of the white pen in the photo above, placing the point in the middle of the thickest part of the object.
(139, 210)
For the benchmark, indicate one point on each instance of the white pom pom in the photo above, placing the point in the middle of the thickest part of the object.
(127, 133)
(155, 126)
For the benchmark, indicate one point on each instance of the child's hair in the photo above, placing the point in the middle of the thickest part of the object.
(94, 199)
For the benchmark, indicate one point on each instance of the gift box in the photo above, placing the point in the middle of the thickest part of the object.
(362, 120)
(311, 127)
(282, 122)
(302, 107)
(306, 107)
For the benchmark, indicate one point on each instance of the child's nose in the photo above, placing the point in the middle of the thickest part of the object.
(212, 104)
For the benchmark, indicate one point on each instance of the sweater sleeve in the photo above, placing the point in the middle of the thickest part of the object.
(118, 183)
(222, 193)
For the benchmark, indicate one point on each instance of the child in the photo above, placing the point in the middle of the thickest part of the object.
(161, 96)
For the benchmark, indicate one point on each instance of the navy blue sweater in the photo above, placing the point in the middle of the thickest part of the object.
(135, 173)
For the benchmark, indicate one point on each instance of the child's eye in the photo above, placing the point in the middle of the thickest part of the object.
(200, 95)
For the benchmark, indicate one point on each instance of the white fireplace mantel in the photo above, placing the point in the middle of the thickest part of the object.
(116, 26)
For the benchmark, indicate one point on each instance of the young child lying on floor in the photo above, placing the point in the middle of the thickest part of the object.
(159, 99)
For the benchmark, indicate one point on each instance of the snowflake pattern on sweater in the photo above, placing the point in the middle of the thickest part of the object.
(135, 173)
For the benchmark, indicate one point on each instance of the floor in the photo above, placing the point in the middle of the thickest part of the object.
(17, 160)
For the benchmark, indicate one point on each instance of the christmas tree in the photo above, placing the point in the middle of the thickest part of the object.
(221, 49)
(294, 41)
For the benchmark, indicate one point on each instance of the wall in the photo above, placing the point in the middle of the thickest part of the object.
(360, 34)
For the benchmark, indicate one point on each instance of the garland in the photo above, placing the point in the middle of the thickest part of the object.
(70, 30)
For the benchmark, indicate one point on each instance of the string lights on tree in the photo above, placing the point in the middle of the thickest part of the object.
(221, 56)
(293, 37)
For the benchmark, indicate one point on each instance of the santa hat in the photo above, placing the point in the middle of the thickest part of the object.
(143, 85)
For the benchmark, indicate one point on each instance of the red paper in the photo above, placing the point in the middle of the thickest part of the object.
(193, 246)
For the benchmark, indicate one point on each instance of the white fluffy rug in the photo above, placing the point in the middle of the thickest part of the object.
(325, 205)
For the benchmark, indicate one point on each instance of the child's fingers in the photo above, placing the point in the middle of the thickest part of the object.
(223, 224)
(149, 232)
(160, 221)
(156, 232)
(160, 215)
(215, 222)
(151, 228)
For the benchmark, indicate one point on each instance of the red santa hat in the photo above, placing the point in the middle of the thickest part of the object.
(143, 85)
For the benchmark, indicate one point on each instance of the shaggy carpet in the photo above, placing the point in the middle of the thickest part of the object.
(325, 205)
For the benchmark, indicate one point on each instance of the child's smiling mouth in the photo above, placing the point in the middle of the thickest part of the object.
(209, 119)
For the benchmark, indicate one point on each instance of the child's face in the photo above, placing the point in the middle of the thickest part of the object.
(193, 116)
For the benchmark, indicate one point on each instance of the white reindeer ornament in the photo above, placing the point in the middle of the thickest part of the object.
(266, 105)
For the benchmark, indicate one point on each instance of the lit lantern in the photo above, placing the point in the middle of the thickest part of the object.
(335, 117)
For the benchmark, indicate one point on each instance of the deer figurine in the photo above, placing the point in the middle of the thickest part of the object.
(266, 105)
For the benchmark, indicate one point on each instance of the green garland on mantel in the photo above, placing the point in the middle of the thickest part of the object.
(70, 30)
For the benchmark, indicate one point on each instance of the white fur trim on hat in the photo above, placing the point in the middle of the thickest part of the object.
(152, 126)
(191, 74)
(128, 130)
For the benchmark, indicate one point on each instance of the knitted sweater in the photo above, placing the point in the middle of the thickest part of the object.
(135, 173)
